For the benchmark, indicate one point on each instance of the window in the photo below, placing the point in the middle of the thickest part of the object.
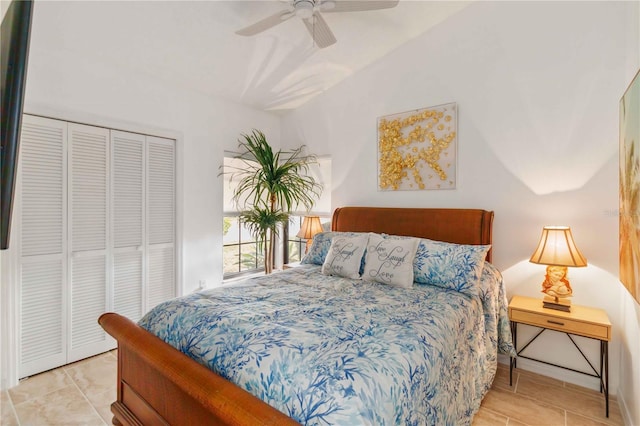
(242, 253)
(296, 246)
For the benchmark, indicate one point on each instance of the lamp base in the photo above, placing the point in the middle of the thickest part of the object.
(556, 303)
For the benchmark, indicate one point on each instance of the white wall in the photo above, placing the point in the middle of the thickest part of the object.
(61, 83)
(537, 86)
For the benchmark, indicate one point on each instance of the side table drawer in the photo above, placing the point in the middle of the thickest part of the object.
(561, 324)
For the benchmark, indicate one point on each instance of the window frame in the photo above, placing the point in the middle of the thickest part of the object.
(230, 211)
(283, 241)
(240, 244)
(301, 242)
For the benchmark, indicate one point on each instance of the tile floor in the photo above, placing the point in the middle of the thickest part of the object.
(76, 394)
(80, 394)
(539, 400)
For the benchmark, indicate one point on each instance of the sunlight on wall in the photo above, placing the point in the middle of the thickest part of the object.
(552, 127)
(270, 82)
(553, 147)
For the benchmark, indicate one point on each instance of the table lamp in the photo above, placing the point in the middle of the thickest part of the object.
(310, 226)
(557, 250)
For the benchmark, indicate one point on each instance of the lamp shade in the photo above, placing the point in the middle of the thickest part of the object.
(310, 226)
(556, 247)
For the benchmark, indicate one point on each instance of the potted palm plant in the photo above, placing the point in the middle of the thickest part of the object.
(270, 185)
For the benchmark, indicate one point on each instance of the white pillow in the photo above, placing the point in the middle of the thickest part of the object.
(390, 261)
(345, 255)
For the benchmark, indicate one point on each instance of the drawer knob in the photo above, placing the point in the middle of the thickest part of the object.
(555, 322)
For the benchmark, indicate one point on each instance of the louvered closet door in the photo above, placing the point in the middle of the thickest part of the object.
(161, 283)
(41, 207)
(128, 224)
(88, 239)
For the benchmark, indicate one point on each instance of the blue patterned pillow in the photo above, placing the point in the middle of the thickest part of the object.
(453, 266)
(320, 247)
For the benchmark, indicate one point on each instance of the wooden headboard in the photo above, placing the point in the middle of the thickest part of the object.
(460, 226)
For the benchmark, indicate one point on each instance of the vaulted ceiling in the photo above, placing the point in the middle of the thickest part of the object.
(193, 43)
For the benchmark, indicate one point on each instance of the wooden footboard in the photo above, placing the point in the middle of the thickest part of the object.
(158, 385)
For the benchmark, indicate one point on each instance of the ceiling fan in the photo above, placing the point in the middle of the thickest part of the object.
(310, 13)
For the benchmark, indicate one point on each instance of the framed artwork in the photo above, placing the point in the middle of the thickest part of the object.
(630, 188)
(417, 149)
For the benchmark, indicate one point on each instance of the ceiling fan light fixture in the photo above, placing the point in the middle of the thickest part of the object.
(304, 8)
(310, 13)
(327, 5)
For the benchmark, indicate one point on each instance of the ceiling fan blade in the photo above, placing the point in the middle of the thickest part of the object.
(331, 6)
(266, 23)
(319, 30)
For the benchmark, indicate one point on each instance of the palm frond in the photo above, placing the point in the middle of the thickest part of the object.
(269, 185)
(261, 221)
(277, 178)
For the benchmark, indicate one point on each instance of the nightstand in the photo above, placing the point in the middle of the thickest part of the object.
(582, 321)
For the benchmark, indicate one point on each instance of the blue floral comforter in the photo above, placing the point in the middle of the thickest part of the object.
(328, 350)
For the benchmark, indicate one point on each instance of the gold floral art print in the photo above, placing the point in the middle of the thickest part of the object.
(417, 149)
(630, 188)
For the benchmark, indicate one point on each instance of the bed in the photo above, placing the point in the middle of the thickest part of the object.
(387, 355)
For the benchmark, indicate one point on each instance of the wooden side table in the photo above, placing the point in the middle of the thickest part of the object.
(582, 321)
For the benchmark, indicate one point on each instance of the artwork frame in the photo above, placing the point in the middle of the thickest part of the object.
(417, 149)
(629, 229)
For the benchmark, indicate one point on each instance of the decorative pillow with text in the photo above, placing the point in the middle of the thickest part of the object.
(344, 256)
(320, 246)
(390, 261)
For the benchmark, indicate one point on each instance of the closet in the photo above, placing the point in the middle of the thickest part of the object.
(95, 232)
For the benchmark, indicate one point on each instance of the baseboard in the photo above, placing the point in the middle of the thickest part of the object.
(503, 359)
(570, 377)
(624, 410)
(556, 373)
